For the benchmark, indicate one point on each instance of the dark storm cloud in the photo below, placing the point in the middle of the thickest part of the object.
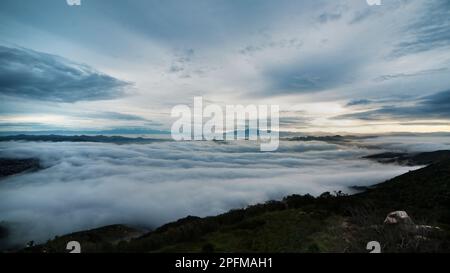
(39, 76)
(436, 106)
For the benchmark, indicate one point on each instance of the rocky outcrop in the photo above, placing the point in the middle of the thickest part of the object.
(398, 218)
(402, 220)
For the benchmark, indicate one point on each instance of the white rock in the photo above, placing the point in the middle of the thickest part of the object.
(398, 217)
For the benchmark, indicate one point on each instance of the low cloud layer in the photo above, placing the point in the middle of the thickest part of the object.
(34, 75)
(86, 185)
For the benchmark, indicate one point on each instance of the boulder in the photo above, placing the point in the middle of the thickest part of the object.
(401, 220)
(398, 218)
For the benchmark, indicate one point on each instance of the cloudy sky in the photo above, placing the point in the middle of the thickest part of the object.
(332, 66)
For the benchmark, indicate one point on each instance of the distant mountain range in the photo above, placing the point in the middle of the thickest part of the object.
(112, 137)
(126, 131)
(80, 138)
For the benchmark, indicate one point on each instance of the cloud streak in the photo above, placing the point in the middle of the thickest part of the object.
(436, 106)
(430, 30)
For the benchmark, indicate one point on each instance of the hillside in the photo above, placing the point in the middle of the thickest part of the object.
(15, 166)
(413, 159)
(332, 222)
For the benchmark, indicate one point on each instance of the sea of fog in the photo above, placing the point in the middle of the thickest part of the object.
(88, 185)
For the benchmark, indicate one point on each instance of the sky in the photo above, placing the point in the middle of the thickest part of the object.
(332, 66)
